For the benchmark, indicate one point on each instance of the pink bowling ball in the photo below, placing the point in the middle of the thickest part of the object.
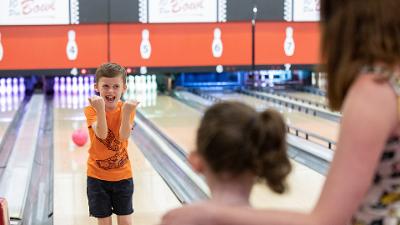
(79, 137)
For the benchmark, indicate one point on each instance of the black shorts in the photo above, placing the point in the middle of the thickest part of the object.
(108, 197)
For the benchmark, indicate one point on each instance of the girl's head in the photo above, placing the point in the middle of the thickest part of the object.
(233, 139)
(357, 33)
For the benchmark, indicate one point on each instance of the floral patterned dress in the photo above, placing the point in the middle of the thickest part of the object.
(381, 205)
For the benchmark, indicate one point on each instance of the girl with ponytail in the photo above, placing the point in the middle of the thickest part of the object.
(237, 146)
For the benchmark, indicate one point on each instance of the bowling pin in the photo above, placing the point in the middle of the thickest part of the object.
(126, 93)
(143, 83)
(313, 80)
(288, 73)
(131, 85)
(9, 85)
(56, 85)
(1, 49)
(3, 85)
(72, 46)
(86, 85)
(15, 86)
(91, 85)
(62, 85)
(68, 85)
(137, 85)
(148, 83)
(322, 81)
(74, 85)
(145, 46)
(80, 85)
(9, 94)
(217, 47)
(289, 45)
(153, 83)
(22, 86)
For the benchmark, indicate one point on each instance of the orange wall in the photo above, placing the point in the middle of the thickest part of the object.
(44, 47)
(270, 39)
(181, 44)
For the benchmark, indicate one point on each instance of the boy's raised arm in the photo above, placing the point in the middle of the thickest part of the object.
(126, 125)
(100, 126)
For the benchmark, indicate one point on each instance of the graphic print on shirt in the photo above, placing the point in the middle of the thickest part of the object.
(116, 161)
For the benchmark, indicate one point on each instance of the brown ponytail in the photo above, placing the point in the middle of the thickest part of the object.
(273, 162)
(233, 138)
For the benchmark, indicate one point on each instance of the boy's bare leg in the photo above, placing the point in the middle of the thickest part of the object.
(104, 221)
(124, 220)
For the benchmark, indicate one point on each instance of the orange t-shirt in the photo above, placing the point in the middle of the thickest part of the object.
(108, 158)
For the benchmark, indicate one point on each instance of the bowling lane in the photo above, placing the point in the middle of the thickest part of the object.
(179, 122)
(9, 104)
(174, 119)
(316, 125)
(309, 97)
(152, 197)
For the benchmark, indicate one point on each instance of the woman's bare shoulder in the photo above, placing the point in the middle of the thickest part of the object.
(371, 85)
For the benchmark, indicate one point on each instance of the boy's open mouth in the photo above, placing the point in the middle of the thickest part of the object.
(110, 98)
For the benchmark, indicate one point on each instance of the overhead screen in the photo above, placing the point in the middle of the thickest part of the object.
(306, 10)
(94, 11)
(55, 12)
(124, 11)
(193, 11)
(183, 11)
(61, 12)
(38, 12)
(242, 10)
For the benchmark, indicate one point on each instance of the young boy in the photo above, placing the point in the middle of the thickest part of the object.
(110, 121)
